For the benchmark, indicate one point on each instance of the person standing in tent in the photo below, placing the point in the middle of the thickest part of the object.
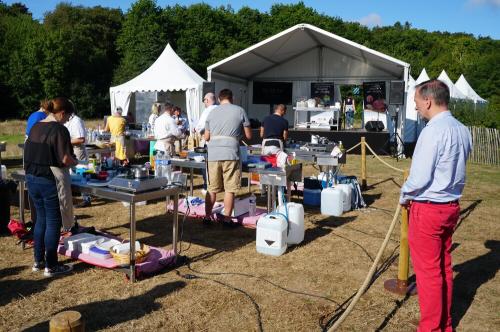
(349, 108)
(183, 125)
(166, 131)
(210, 103)
(432, 192)
(274, 131)
(116, 126)
(224, 127)
(77, 132)
(155, 112)
(47, 157)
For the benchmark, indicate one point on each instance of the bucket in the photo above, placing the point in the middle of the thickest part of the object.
(295, 221)
(312, 197)
(346, 200)
(271, 234)
(332, 202)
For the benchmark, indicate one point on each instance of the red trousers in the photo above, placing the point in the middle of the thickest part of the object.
(429, 236)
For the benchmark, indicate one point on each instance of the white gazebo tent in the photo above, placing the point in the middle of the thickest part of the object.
(411, 115)
(167, 73)
(463, 86)
(422, 77)
(301, 55)
(413, 123)
(454, 91)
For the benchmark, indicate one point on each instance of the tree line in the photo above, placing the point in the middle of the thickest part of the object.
(81, 51)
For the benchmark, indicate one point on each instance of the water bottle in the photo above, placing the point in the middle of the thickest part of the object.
(167, 168)
(341, 146)
(158, 165)
(252, 205)
(149, 130)
(144, 129)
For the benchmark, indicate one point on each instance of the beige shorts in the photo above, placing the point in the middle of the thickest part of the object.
(224, 175)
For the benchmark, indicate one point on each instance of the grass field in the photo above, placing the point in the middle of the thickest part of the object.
(233, 288)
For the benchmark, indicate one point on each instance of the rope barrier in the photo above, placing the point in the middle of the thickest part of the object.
(370, 274)
(354, 147)
(382, 161)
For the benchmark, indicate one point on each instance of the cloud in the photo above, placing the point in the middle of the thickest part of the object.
(371, 20)
(477, 3)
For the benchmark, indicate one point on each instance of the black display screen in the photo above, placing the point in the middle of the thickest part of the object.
(272, 93)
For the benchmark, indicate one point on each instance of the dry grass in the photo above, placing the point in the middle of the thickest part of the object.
(237, 289)
(12, 132)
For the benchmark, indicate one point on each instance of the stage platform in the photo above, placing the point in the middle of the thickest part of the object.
(377, 140)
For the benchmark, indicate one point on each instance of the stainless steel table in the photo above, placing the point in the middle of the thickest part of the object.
(191, 164)
(277, 177)
(131, 198)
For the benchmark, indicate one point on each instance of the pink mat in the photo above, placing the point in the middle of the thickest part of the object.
(158, 258)
(198, 211)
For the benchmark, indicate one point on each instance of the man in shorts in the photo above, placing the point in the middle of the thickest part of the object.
(224, 127)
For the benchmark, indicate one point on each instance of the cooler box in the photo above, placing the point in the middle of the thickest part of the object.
(312, 197)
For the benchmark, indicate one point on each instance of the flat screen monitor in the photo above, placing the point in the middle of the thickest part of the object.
(272, 93)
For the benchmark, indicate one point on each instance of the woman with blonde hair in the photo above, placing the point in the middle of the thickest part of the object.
(116, 124)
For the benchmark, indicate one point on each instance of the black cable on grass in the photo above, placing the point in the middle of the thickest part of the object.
(342, 307)
(263, 279)
(254, 303)
(359, 245)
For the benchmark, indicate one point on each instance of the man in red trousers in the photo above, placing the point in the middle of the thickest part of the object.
(432, 192)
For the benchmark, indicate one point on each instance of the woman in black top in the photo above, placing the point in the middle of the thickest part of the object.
(48, 145)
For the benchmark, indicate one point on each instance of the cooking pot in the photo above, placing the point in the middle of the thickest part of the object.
(140, 172)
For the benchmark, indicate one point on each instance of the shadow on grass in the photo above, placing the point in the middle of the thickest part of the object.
(108, 313)
(191, 230)
(471, 275)
(13, 289)
(465, 213)
(372, 186)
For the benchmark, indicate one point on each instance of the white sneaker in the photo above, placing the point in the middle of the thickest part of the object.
(37, 266)
(59, 269)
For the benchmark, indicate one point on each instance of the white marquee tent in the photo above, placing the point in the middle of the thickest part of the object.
(167, 73)
(422, 77)
(463, 86)
(303, 54)
(454, 91)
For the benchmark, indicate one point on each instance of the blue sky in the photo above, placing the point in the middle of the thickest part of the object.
(479, 17)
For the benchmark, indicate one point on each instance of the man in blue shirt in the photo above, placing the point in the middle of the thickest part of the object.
(274, 131)
(432, 191)
(37, 116)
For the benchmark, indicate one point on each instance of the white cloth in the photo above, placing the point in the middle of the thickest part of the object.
(165, 127)
(152, 120)
(200, 126)
(63, 183)
(76, 129)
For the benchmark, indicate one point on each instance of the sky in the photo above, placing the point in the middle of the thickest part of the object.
(477, 17)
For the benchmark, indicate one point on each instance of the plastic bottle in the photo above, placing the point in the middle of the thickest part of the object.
(252, 205)
(167, 168)
(158, 165)
(341, 147)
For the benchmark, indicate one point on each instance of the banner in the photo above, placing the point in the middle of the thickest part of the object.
(374, 96)
(324, 91)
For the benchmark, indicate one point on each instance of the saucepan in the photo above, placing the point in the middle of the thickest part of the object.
(140, 172)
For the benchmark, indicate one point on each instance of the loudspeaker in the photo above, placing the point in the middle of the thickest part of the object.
(374, 126)
(397, 93)
(208, 87)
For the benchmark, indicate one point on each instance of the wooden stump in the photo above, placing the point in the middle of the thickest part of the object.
(67, 321)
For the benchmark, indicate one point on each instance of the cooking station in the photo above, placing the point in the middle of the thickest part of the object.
(127, 189)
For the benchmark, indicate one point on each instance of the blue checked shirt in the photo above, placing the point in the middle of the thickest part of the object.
(438, 165)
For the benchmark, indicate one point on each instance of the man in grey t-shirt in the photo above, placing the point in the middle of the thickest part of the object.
(224, 127)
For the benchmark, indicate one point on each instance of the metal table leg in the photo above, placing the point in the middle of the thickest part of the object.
(191, 179)
(175, 226)
(132, 241)
(21, 201)
(269, 198)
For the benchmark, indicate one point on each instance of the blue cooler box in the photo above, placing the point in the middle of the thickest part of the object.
(312, 197)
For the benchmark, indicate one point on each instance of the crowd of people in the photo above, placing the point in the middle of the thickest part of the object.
(55, 138)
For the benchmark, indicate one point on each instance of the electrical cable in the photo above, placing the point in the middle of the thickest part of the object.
(254, 303)
(370, 274)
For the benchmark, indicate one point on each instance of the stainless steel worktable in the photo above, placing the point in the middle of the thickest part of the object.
(191, 164)
(131, 198)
